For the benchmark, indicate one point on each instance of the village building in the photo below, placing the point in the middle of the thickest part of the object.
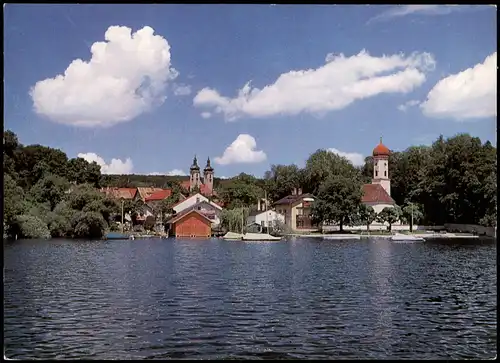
(203, 205)
(296, 210)
(206, 185)
(378, 193)
(190, 224)
(263, 218)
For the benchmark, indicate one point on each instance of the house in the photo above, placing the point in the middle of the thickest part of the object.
(205, 186)
(119, 193)
(264, 218)
(145, 192)
(296, 209)
(201, 203)
(378, 193)
(190, 224)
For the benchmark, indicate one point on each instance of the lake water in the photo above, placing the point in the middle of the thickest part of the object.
(305, 298)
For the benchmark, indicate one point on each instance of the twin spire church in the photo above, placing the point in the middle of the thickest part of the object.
(206, 186)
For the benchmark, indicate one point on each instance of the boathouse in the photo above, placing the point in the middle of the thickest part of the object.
(190, 224)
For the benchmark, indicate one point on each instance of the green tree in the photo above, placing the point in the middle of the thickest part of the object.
(234, 220)
(88, 225)
(323, 165)
(390, 215)
(367, 215)
(51, 189)
(412, 214)
(337, 201)
(281, 179)
(26, 226)
(13, 196)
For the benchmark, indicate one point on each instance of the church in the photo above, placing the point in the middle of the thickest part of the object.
(205, 186)
(378, 193)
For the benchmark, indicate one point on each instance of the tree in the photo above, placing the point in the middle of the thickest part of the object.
(51, 188)
(281, 179)
(234, 220)
(390, 215)
(338, 201)
(367, 215)
(323, 165)
(412, 214)
(12, 201)
(26, 226)
(240, 193)
(88, 225)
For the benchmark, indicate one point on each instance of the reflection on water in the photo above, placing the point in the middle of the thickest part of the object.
(306, 298)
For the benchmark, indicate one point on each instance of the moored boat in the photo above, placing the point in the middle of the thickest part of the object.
(260, 237)
(116, 235)
(399, 237)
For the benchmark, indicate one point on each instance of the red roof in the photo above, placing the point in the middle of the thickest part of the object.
(159, 195)
(375, 193)
(381, 150)
(203, 188)
(183, 214)
(119, 193)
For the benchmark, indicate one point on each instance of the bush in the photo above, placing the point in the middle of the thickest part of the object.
(31, 227)
(88, 225)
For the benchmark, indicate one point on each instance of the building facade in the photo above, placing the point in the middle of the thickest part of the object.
(296, 210)
(378, 193)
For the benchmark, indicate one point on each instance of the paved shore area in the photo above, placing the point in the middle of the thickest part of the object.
(374, 235)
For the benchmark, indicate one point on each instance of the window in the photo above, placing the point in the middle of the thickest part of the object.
(300, 212)
(262, 223)
(385, 173)
(376, 172)
(197, 199)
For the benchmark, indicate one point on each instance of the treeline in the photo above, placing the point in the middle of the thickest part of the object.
(48, 195)
(138, 180)
(452, 181)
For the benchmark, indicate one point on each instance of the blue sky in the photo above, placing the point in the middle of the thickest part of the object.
(406, 73)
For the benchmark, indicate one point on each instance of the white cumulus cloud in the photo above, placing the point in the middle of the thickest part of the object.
(333, 86)
(126, 76)
(182, 90)
(470, 94)
(116, 166)
(405, 106)
(206, 114)
(355, 158)
(242, 150)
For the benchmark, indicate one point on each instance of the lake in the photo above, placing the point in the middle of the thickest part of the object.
(208, 299)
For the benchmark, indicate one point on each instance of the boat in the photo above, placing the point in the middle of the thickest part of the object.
(399, 237)
(260, 237)
(232, 236)
(116, 235)
(343, 236)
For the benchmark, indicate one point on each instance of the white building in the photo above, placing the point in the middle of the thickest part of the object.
(265, 218)
(378, 193)
(202, 205)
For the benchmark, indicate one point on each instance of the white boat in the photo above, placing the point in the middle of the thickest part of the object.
(399, 237)
(343, 236)
(260, 237)
(232, 236)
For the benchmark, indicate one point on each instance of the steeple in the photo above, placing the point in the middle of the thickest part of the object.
(208, 167)
(195, 164)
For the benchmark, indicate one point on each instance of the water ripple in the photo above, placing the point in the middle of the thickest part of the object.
(302, 299)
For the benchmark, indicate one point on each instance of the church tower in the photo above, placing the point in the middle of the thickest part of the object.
(208, 177)
(381, 167)
(194, 180)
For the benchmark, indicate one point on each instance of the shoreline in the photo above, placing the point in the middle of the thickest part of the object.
(388, 236)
